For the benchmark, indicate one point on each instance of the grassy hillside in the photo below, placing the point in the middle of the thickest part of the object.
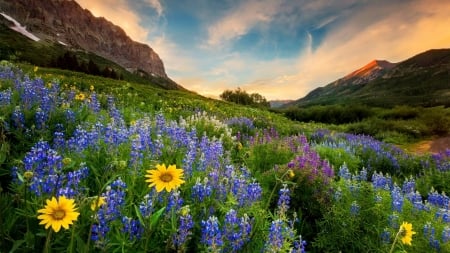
(91, 164)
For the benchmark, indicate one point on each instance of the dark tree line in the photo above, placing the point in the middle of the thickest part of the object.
(69, 61)
(240, 96)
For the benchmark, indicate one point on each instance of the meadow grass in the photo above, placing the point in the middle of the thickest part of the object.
(81, 171)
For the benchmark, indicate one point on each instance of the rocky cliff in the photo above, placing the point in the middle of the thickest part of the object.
(67, 23)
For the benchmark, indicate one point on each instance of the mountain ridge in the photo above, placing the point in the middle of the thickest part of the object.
(423, 80)
(67, 23)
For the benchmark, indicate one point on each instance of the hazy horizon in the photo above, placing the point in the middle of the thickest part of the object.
(280, 49)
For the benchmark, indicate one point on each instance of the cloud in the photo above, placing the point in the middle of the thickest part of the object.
(391, 32)
(156, 4)
(240, 20)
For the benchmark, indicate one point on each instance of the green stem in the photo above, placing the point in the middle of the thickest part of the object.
(89, 237)
(71, 239)
(395, 241)
(47, 241)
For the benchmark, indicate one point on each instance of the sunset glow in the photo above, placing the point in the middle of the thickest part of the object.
(281, 49)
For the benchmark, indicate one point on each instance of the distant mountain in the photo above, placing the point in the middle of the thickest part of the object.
(279, 103)
(66, 23)
(422, 80)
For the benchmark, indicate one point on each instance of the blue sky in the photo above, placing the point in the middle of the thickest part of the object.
(281, 49)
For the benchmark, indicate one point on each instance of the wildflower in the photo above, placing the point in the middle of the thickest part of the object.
(80, 96)
(57, 213)
(406, 232)
(291, 174)
(168, 178)
(28, 175)
(98, 202)
(35, 69)
(91, 88)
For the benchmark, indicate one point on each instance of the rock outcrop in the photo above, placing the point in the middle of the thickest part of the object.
(67, 23)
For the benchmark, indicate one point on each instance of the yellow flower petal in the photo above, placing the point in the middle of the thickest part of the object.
(58, 212)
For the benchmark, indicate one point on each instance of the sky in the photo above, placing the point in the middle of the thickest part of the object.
(281, 49)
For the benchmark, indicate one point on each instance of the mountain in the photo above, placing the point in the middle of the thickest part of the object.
(422, 80)
(278, 103)
(66, 23)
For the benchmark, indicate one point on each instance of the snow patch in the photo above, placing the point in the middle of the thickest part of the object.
(18, 28)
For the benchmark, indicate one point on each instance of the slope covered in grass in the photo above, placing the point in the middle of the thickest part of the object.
(83, 170)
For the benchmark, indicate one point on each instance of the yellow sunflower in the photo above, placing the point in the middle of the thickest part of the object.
(97, 203)
(168, 178)
(80, 97)
(407, 233)
(57, 213)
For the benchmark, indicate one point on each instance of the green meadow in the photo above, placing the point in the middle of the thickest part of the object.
(91, 164)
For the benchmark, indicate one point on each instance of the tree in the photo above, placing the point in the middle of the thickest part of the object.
(240, 96)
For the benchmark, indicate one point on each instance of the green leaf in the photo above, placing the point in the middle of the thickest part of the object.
(155, 217)
(139, 215)
(16, 245)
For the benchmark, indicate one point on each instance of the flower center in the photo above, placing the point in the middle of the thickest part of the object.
(166, 177)
(59, 214)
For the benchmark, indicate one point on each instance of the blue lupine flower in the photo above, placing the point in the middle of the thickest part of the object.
(236, 230)
(40, 118)
(211, 234)
(354, 208)
(284, 199)
(276, 237)
(109, 212)
(132, 227)
(175, 202)
(200, 191)
(386, 236)
(184, 232)
(18, 118)
(94, 104)
(299, 246)
(146, 206)
(445, 234)
(344, 172)
(397, 199)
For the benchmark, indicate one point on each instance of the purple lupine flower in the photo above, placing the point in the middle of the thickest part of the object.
(284, 200)
(72, 186)
(299, 246)
(132, 227)
(236, 230)
(439, 200)
(146, 205)
(5, 97)
(175, 202)
(397, 199)
(200, 191)
(18, 118)
(409, 185)
(445, 234)
(185, 227)
(254, 192)
(211, 234)
(386, 236)
(379, 181)
(136, 154)
(94, 104)
(59, 143)
(46, 165)
(354, 208)
(344, 172)
(276, 237)
(40, 118)
(109, 212)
